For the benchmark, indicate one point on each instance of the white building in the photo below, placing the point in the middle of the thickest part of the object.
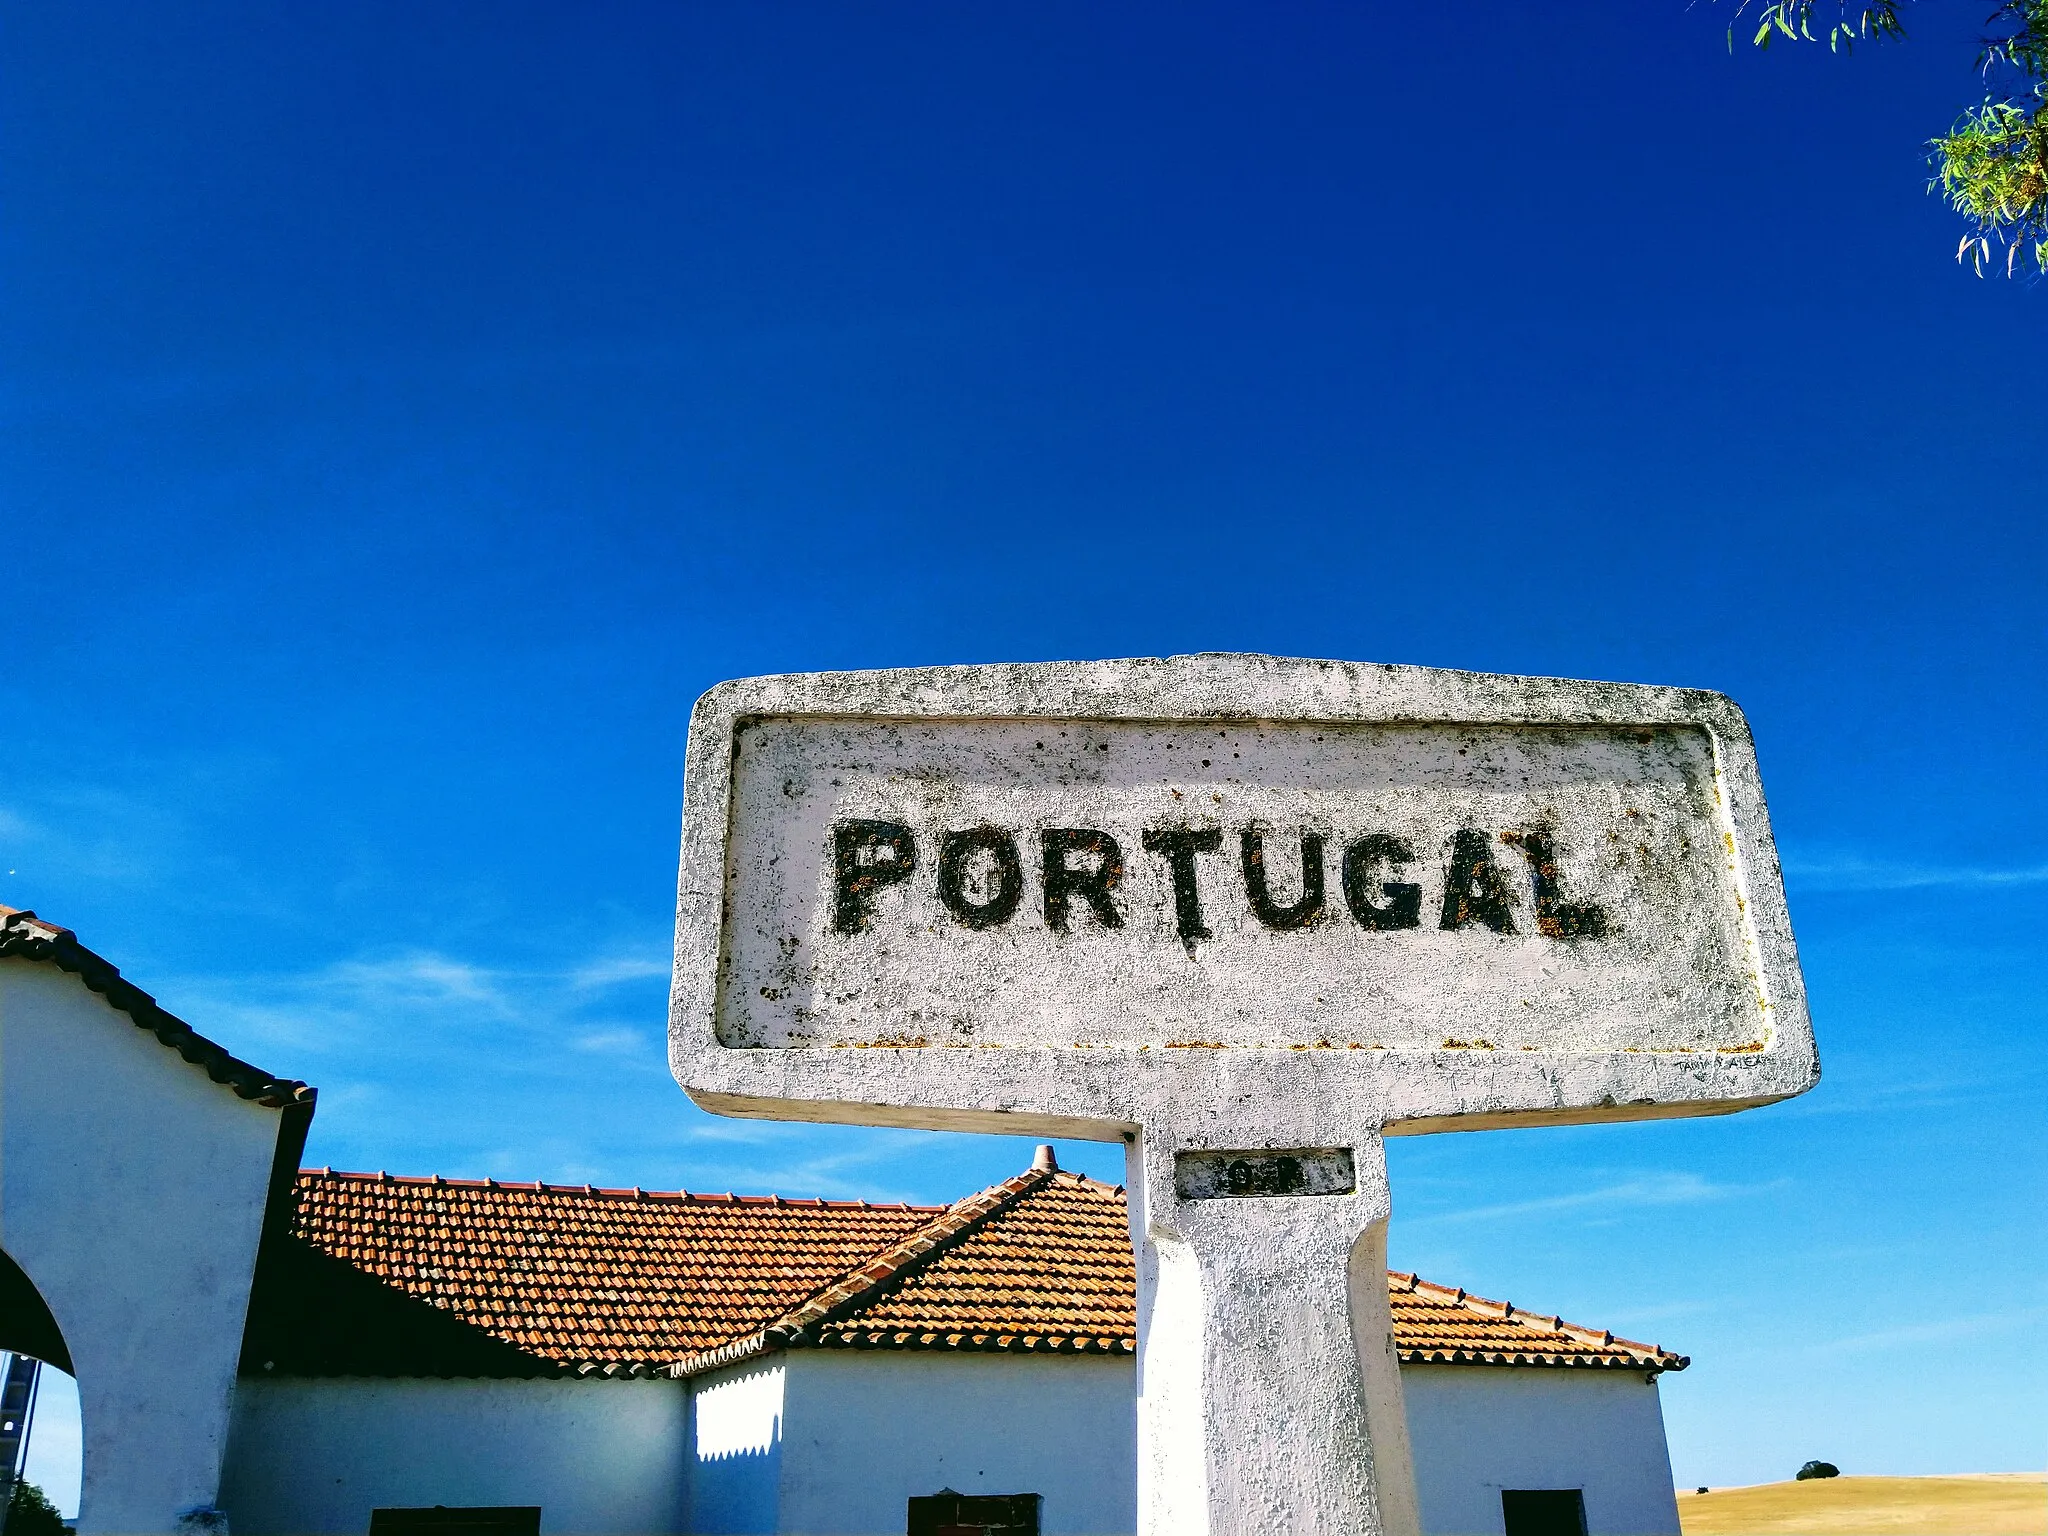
(137, 1164)
(356, 1352)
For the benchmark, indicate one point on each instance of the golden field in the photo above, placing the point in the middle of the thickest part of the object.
(1989, 1504)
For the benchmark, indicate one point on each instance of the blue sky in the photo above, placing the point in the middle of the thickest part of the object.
(409, 412)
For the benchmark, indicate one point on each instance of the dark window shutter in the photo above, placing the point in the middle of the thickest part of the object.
(458, 1520)
(947, 1513)
(1543, 1511)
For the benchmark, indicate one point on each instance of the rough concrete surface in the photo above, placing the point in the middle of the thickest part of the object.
(1269, 1392)
(1636, 939)
(1234, 903)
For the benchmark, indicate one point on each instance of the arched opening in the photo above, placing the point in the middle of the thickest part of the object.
(40, 1439)
(26, 1326)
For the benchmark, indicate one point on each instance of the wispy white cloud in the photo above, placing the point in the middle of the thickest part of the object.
(1855, 872)
(428, 1062)
(611, 1041)
(1979, 1084)
(84, 834)
(416, 980)
(426, 1059)
(1935, 1332)
(1646, 1191)
(422, 1000)
(867, 1166)
(612, 969)
(1643, 1315)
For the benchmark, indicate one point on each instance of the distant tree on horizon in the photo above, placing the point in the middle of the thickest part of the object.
(1992, 165)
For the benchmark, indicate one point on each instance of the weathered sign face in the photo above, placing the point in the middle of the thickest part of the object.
(1061, 891)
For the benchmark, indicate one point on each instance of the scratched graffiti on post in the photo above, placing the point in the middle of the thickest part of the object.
(1332, 886)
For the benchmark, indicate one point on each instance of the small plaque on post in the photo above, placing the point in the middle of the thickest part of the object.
(1238, 1175)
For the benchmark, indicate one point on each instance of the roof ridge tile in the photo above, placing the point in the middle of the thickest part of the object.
(1640, 1356)
(624, 1196)
(859, 1284)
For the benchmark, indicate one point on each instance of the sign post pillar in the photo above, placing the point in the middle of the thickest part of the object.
(1247, 914)
(1268, 1392)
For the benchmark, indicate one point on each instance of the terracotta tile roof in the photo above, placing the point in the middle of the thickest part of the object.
(567, 1276)
(1442, 1325)
(384, 1276)
(1058, 1259)
(1040, 1263)
(25, 936)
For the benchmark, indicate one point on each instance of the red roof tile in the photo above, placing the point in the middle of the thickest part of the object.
(525, 1278)
(575, 1275)
(1040, 1262)
(1442, 1325)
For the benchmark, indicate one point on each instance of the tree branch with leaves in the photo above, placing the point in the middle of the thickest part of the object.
(1992, 165)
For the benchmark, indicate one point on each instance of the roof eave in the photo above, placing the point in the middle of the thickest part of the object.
(24, 936)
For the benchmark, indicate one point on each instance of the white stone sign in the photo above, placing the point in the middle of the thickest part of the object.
(1249, 914)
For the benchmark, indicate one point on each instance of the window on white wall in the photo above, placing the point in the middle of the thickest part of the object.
(947, 1513)
(458, 1520)
(1543, 1511)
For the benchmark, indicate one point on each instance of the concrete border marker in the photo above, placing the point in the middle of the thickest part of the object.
(1249, 914)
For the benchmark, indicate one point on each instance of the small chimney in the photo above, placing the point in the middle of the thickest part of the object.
(1044, 1162)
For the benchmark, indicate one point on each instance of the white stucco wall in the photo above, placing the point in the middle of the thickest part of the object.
(863, 1430)
(833, 1443)
(317, 1455)
(132, 1190)
(1478, 1429)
